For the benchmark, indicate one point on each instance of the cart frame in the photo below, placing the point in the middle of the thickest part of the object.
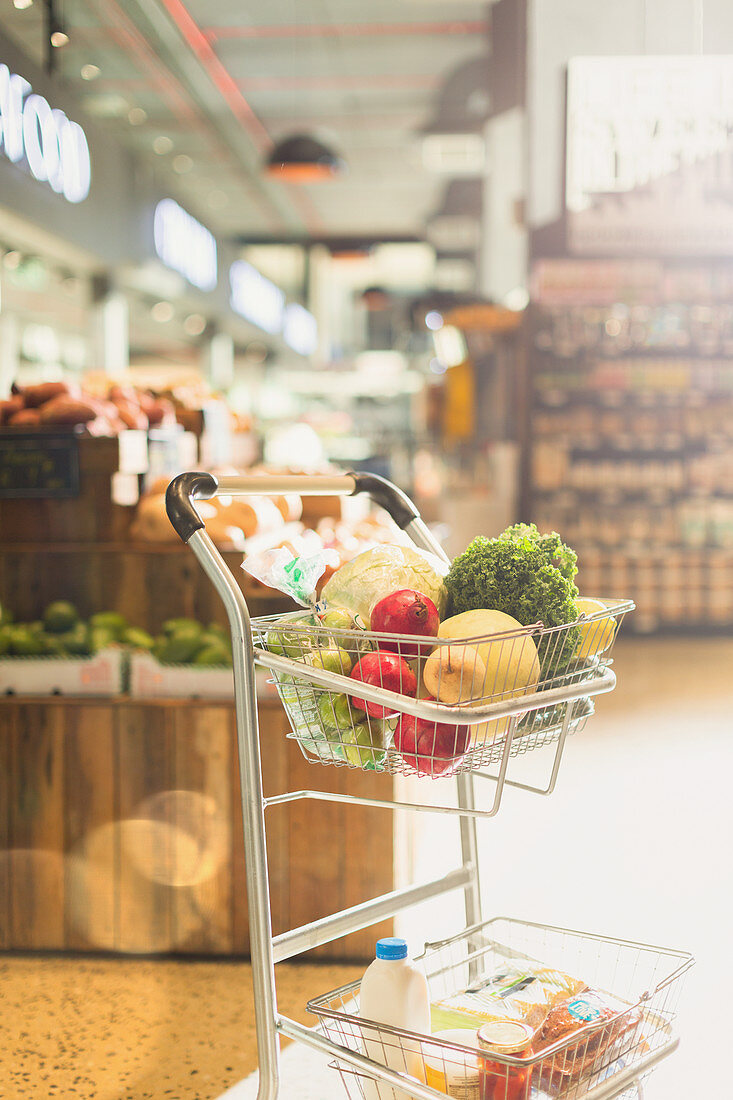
(267, 950)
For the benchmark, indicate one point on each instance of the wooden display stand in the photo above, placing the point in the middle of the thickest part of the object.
(123, 830)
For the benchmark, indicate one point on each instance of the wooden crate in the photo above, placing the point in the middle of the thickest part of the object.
(122, 830)
(146, 583)
(90, 517)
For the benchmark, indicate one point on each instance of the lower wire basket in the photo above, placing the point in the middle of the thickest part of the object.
(554, 972)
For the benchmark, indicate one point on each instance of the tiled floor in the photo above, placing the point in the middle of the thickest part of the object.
(635, 842)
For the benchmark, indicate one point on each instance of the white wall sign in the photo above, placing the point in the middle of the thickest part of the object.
(185, 245)
(255, 298)
(300, 329)
(650, 154)
(54, 148)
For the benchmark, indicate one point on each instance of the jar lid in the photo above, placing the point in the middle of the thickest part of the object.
(505, 1036)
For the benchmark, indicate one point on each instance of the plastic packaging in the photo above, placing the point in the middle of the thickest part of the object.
(297, 577)
(394, 992)
(373, 574)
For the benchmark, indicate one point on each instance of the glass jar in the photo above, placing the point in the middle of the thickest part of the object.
(500, 1080)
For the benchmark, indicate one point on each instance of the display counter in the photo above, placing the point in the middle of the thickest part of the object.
(123, 830)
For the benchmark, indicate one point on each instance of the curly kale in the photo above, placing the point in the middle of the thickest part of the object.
(516, 574)
(552, 546)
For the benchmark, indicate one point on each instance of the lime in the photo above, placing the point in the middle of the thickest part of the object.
(175, 626)
(214, 655)
(180, 649)
(338, 618)
(287, 642)
(100, 637)
(76, 641)
(362, 747)
(139, 639)
(109, 620)
(332, 659)
(60, 616)
(25, 642)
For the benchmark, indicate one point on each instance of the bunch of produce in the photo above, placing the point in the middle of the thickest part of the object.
(65, 404)
(62, 633)
(188, 642)
(460, 639)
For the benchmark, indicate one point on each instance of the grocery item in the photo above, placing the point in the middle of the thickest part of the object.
(500, 1080)
(516, 573)
(596, 636)
(362, 582)
(512, 665)
(456, 1073)
(609, 1019)
(409, 613)
(431, 748)
(455, 674)
(394, 992)
(386, 670)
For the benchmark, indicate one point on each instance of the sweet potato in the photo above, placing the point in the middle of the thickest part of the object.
(28, 418)
(67, 410)
(10, 407)
(45, 391)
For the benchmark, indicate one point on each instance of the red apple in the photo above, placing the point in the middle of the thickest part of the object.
(405, 612)
(431, 748)
(384, 670)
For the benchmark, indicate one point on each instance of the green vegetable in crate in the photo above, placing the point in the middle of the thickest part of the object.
(214, 655)
(60, 617)
(76, 642)
(25, 641)
(100, 637)
(6, 615)
(516, 574)
(362, 747)
(112, 621)
(179, 648)
(137, 638)
(4, 640)
(178, 626)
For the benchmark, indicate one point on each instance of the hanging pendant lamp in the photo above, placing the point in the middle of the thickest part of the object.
(303, 159)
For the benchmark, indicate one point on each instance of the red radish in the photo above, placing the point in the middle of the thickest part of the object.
(431, 748)
(405, 612)
(384, 670)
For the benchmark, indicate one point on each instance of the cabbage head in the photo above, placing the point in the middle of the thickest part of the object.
(373, 574)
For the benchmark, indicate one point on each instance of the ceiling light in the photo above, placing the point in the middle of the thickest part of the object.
(194, 324)
(59, 38)
(162, 145)
(89, 72)
(303, 159)
(162, 311)
(136, 116)
(182, 163)
(21, 5)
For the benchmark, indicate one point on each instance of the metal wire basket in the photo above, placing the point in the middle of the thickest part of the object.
(433, 706)
(645, 982)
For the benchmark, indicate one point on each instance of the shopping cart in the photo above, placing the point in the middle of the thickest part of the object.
(517, 690)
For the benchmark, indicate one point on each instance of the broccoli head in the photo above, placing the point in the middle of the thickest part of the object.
(515, 574)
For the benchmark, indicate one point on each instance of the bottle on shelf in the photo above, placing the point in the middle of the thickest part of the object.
(394, 991)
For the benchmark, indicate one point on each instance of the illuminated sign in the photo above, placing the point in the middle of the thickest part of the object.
(650, 155)
(258, 300)
(53, 147)
(300, 329)
(255, 298)
(185, 245)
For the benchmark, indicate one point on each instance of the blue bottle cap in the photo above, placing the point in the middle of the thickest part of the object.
(391, 948)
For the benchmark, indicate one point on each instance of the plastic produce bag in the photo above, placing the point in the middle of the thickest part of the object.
(297, 577)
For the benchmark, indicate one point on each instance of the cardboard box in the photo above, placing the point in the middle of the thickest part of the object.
(102, 674)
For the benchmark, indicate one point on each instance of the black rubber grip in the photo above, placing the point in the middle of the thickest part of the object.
(179, 497)
(387, 496)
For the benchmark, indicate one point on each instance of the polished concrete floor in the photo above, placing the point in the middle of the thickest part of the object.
(635, 842)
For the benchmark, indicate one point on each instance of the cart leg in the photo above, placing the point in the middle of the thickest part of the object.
(469, 847)
(253, 815)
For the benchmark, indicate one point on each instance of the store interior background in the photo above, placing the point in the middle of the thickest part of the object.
(438, 313)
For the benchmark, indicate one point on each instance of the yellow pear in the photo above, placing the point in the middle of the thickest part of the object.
(455, 674)
(597, 635)
(512, 664)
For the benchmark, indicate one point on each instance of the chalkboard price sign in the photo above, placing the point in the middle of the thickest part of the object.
(39, 464)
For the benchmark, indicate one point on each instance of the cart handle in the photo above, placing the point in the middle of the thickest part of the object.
(186, 488)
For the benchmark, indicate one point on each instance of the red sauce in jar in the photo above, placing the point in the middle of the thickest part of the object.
(499, 1080)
